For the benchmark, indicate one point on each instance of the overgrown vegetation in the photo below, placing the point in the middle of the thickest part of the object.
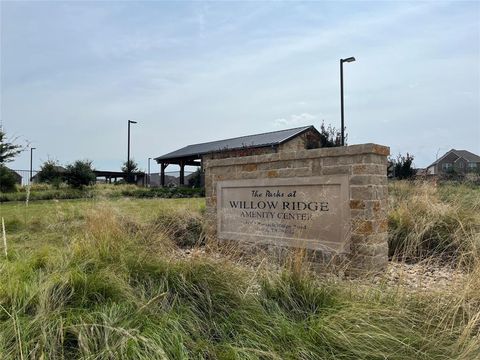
(108, 280)
(426, 220)
(401, 167)
(61, 191)
(165, 192)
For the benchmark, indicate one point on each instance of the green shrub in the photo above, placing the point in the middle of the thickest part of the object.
(53, 194)
(165, 192)
(51, 173)
(80, 174)
(49, 192)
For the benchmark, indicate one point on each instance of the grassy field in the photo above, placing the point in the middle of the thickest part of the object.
(63, 192)
(110, 279)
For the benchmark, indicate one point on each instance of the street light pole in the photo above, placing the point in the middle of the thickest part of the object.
(350, 59)
(149, 171)
(31, 164)
(128, 149)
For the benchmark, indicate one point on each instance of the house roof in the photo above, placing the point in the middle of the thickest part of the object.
(467, 155)
(250, 141)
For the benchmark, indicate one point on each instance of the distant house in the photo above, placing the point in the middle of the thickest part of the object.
(459, 161)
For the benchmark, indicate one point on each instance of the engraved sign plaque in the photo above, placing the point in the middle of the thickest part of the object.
(310, 212)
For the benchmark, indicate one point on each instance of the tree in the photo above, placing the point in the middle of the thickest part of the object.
(7, 179)
(129, 167)
(8, 150)
(80, 174)
(401, 167)
(330, 137)
(195, 179)
(51, 172)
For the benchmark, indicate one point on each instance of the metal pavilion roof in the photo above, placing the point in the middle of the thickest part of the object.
(250, 141)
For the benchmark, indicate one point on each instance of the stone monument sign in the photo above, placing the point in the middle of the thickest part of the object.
(328, 200)
(311, 212)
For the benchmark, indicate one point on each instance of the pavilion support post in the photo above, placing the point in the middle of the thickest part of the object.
(182, 173)
(162, 174)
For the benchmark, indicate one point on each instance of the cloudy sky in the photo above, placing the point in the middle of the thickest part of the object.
(73, 73)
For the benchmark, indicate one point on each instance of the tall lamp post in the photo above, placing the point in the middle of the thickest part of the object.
(31, 164)
(149, 171)
(350, 59)
(128, 149)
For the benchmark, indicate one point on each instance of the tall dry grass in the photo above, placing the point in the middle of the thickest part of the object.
(121, 289)
(442, 221)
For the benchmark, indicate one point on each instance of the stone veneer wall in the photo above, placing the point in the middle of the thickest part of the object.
(366, 167)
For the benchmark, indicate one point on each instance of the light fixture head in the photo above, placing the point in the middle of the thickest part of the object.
(132, 122)
(33, 148)
(350, 59)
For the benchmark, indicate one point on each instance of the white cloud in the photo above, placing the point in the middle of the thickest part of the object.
(295, 120)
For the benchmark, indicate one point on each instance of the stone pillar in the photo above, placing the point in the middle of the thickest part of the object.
(368, 208)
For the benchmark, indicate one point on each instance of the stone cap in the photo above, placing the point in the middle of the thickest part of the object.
(350, 150)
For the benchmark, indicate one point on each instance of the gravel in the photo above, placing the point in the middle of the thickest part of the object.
(419, 276)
